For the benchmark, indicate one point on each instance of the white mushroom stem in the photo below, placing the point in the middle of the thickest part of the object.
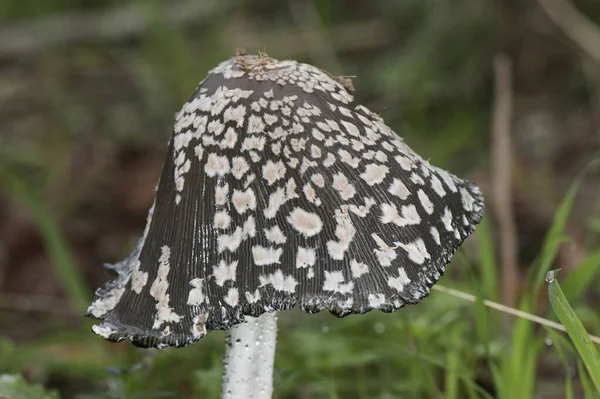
(249, 357)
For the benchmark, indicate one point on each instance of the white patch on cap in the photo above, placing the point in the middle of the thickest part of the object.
(376, 300)
(315, 151)
(298, 144)
(215, 127)
(222, 220)
(229, 140)
(467, 200)
(279, 281)
(255, 124)
(199, 151)
(306, 163)
(249, 179)
(277, 133)
(343, 110)
(357, 145)
(306, 223)
(417, 252)
(447, 178)
(235, 114)
(398, 189)
(346, 157)
(436, 235)
(351, 129)
(232, 298)
(324, 126)
(311, 194)
(253, 297)
(436, 184)
(333, 282)
(254, 157)
(305, 257)
(399, 282)
(464, 220)
(243, 200)
(102, 330)
(381, 156)
(273, 171)
(374, 174)
(333, 124)
(329, 160)
(385, 254)
(239, 167)
(344, 232)
(447, 219)
(290, 189)
(343, 187)
(138, 278)
(276, 148)
(253, 143)
(318, 179)
(363, 210)
(158, 290)
(410, 216)
(358, 268)
(425, 202)
(196, 295)
(249, 229)
(216, 165)
(276, 200)
(266, 255)
(181, 168)
(221, 194)
(224, 272)
(102, 305)
(275, 235)
(416, 179)
(181, 141)
(405, 163)
(344, 141)
(230, 242)
(318, 135)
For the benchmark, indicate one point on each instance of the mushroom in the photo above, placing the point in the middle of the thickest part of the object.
(279, 190)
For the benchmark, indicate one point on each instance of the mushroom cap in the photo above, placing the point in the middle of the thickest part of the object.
(280, 190)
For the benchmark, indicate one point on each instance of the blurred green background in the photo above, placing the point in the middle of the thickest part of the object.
(88, 93)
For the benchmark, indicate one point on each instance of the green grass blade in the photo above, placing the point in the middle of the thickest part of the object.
(58, 249)
(586, 349)
(451, 378)
(498, 379)
(588, 390)
(555, 236)
(558, 343)
(578, 279)
(61, 256)
(487, 259)
(482, 324)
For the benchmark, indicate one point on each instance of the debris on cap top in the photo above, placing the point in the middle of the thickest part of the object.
(280, 190)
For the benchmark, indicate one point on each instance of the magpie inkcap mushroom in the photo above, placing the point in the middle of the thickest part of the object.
(279, 190)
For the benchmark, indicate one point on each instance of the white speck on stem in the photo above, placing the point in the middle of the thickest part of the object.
(249, 357)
